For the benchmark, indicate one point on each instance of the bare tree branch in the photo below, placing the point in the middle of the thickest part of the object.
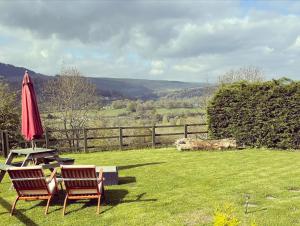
(250, 74)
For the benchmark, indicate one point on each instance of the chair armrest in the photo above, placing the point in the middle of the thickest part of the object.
(53, 175)
(100, 176)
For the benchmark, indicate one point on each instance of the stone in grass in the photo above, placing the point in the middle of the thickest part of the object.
(270, 197)
(200, 144)
(250, 204)
(294, 189)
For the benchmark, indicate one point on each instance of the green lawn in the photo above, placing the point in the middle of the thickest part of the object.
(167, 187)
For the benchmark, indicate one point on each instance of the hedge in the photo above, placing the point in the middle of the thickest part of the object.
(264, 114)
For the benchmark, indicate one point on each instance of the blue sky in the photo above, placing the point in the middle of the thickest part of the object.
(171, 40)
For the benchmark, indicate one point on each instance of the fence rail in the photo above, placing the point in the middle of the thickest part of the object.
(81, 138)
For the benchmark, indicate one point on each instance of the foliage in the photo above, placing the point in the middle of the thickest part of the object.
(9, 109)
(253, 223)
(224, 216)
(131, 106)
(257, 114)
(118, 104)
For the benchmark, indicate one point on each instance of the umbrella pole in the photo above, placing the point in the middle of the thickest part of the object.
(32, 144)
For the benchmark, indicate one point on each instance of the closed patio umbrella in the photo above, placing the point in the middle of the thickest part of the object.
(31, 121)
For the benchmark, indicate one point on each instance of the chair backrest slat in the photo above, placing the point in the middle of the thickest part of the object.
(79, 177)
(34, 179)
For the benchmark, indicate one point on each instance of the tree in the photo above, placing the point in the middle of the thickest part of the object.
(70, 96)
(131, 106)
(250, 74)
(9, 109)
(118, 104)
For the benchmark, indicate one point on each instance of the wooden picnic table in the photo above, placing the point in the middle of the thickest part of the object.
(38, 156)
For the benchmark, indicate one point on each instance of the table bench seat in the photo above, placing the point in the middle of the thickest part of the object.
(50, 165)
(16, 163)
(64, 161)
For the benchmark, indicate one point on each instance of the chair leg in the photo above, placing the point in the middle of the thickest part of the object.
(98, 206)
(103, 194)
(48, 202)
(65, 205)
(14, 206)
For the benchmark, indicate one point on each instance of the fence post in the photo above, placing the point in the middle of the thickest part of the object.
(121, 137)
(185, 130)
(2, 143)
(7, 145)
(75, 141)
(47, 137)
(85, 139)
(153, 137)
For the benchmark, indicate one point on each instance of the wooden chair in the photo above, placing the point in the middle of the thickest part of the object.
(81, 182)
(31, 184)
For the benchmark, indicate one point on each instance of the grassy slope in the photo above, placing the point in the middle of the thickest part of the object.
(113, 115)
(178, 188)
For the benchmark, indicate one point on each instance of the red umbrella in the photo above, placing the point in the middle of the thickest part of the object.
(31, 121)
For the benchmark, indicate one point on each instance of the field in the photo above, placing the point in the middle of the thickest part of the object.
(123, 117)
(167, 187)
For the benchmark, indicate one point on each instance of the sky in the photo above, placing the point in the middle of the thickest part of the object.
(190, 40)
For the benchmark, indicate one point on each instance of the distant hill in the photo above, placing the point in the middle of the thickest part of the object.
(185, 93)
(111, 88)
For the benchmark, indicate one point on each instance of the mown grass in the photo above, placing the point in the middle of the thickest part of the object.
(167, 187)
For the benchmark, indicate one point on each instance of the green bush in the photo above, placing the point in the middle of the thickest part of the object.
(224, 216)
(257, 114)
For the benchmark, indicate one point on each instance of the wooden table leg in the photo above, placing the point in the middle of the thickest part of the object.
(26, 160)
(9, 158)
(2, 174)
(7, 162)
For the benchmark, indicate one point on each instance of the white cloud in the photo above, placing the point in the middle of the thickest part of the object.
(296, 44)
(268, 49)
(157, 67)
(191, 40)
(189, 67)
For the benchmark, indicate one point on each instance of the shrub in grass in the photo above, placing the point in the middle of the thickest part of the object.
(224, 216)
(257, 114)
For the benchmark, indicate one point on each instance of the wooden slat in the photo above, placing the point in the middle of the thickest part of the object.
(168, 126)
(101, 138)
(137, 127)
(139, 135)
(198, 132)
(168, 134)
(103, 128)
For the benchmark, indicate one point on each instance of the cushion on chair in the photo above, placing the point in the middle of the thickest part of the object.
(33, 192)
(51, 186)
(86, 191)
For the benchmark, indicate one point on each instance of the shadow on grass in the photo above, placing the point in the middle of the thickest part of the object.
(257, 210)
(126, 180)
(57, 200)
(20, 216)
(112, 199)
(139, 165)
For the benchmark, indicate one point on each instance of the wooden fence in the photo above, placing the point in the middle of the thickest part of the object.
(4, 143)
(85, 139)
